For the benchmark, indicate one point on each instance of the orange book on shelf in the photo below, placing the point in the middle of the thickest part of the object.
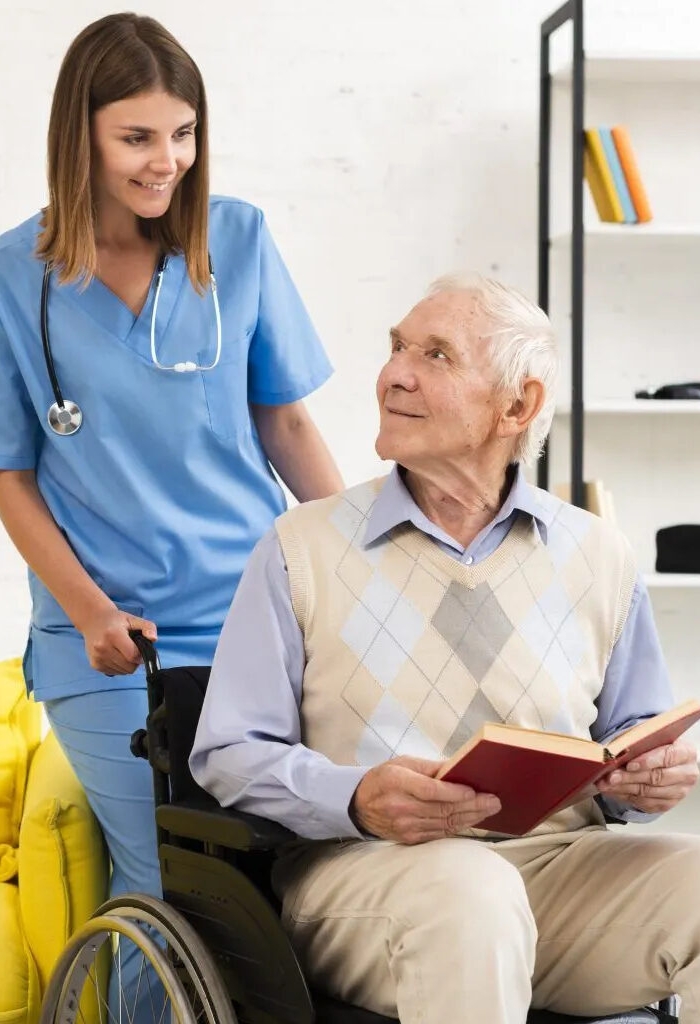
(629, 166)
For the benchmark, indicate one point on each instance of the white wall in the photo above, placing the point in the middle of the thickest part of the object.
(388, 141)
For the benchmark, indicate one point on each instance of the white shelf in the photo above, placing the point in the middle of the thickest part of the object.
(658, 230)
(666, 580)
(639, 68)
(639, 406)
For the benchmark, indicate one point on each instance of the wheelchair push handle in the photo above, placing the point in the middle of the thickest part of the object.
(147, 651)
(151, 743)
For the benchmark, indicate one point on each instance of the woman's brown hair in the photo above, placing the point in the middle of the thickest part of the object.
(112, 59)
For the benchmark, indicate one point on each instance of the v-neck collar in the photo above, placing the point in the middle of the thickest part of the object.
(421, 546)
(114, 316)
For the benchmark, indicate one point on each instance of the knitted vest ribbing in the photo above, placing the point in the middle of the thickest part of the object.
(409, 651)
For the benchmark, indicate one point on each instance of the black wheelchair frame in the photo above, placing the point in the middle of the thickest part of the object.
(215, 867)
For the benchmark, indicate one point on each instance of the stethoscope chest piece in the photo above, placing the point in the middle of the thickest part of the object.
(65, 420)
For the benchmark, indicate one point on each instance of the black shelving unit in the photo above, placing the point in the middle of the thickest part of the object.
(573, 12)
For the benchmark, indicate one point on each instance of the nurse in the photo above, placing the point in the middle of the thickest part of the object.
(145, 515)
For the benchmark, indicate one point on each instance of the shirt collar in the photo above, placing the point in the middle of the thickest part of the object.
(395, 505)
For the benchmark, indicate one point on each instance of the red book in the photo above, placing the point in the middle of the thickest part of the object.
(536, 773)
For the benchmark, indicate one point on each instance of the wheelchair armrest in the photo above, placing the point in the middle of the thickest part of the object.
(225, 826)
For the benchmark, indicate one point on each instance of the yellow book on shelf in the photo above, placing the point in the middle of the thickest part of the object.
(600, 180)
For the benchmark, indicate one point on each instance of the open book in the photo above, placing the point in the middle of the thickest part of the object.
(537, 773)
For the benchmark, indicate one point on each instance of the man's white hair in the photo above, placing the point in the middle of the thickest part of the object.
(522, 344)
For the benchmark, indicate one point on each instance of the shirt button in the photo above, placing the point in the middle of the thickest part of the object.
(468, 560)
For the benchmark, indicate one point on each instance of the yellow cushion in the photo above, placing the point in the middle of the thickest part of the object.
(20, 731)
(19, 984)
(63, 866)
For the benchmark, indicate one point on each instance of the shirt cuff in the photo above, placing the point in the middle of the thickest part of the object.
(334, 786)
(623, 813)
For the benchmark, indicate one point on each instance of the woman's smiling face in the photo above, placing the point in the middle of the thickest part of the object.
(142, 148)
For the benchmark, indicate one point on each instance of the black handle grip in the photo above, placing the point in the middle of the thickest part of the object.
(147, 651)
(139, 744)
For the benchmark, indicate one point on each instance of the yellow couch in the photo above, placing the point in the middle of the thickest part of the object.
(53, 863)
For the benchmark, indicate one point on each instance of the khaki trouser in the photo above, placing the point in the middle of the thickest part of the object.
(592, 922)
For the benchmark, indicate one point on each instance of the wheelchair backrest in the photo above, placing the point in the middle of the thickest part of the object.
(179, 693)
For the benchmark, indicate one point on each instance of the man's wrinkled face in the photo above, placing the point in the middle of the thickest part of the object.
(437, 396)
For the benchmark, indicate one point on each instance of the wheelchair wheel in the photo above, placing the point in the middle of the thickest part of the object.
(187, 954)
(78, 988)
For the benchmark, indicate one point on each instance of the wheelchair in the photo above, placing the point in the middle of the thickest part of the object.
(215, 941)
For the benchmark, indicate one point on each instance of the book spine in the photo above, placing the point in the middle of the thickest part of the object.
(600, 180)
(623, 192)
(628, 163)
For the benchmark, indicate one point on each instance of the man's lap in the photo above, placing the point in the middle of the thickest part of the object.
(616, 919)
(614, 911)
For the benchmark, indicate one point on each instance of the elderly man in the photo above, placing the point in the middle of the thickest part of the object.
(374, 631)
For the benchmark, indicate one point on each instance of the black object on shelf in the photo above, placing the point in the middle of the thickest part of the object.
(679, 391)
(678, 548)
(571, 11)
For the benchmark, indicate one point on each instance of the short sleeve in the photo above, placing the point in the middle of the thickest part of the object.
(286, 360)
(20, 430)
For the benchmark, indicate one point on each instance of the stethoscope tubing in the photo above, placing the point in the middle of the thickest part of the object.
(184, 367)
(48, 356)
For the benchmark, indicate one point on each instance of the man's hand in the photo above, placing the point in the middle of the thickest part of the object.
(403, 801)
(656, 781)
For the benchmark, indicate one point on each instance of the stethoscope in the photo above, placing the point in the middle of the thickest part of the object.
(65, 416)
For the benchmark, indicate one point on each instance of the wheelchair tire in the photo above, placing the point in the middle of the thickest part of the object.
(77, 973)
(189, 956)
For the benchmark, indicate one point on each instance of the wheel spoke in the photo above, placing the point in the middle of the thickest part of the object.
(150, 996)
(182, 982)
(81, 1015)
(138, 984)
(198, 972)
(120, 988)
(101, 1001)
(162, 1012)
(100, 998)
(119, 976)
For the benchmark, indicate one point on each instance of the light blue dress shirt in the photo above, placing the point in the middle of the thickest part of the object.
(165, 489)
(248, 749)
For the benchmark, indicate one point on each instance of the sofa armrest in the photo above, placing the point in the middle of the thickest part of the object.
(62, 858)
(210, 823)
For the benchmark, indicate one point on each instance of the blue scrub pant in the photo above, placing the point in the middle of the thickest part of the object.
(94, 730)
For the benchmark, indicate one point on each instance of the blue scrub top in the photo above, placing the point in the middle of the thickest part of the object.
(165, 489)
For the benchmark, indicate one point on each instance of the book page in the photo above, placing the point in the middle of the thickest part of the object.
(582, 748)
(538, 739)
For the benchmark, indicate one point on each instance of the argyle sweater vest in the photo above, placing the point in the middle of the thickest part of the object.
(409, 651)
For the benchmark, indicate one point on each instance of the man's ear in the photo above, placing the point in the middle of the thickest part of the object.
(518, 416)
